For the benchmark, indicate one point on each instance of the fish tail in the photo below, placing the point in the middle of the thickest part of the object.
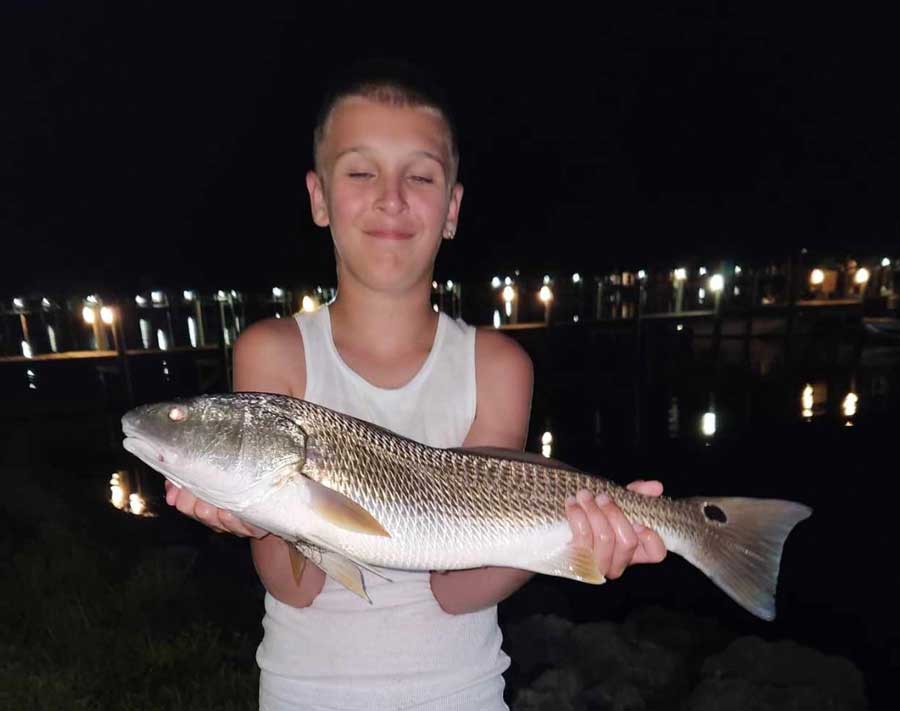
(741, 544)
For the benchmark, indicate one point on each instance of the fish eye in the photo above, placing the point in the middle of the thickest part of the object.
(177, 414)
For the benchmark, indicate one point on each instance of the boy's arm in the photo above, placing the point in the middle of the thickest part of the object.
(505, 378)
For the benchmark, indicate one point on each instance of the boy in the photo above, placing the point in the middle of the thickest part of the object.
(385, 184)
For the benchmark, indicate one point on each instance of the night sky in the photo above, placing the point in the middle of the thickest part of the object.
(152, 144)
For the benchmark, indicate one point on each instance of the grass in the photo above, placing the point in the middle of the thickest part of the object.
(96, 614)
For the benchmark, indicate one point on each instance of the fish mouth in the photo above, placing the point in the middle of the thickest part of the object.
(152, 455)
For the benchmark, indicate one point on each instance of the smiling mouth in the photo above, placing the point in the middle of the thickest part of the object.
(390, 234)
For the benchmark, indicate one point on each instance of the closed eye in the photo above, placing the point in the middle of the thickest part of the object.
(421, 179)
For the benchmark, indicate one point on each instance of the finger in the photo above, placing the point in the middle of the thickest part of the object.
(208, 515)
(604, 538)
(578, 522)
(171, 493)
(185, 502)
(647, 488)
(651, 547)
(240, 527)
(626, 540)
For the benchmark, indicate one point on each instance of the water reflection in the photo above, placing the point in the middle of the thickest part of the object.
(125, 493)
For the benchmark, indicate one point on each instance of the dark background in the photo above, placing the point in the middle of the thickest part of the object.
(152, 143)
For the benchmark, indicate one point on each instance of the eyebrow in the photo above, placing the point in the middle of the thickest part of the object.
(365, 149)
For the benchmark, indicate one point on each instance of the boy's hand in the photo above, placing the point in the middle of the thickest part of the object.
(207, 514)
(599, 525)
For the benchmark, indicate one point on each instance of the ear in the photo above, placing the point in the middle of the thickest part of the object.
(452, 221)
(317, 199)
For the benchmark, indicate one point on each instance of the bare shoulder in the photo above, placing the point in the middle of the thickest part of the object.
(499, 356)
(504, 378)
(268, 357)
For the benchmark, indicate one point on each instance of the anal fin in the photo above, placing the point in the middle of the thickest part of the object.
(339, 567)
(298, 562)
(574, 562)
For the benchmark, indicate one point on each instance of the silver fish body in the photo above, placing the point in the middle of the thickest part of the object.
(350, 494)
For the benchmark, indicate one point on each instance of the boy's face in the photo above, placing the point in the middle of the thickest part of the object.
(385, 185)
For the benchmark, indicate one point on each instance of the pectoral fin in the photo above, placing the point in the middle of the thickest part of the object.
(572, 562)
(343, 512)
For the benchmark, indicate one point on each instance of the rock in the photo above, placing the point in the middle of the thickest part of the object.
(778, 676)
(538, 641)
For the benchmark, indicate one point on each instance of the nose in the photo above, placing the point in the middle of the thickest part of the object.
(391, 198)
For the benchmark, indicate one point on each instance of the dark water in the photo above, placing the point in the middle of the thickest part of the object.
(626, 410)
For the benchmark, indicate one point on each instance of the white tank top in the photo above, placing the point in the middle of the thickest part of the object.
(403, 651)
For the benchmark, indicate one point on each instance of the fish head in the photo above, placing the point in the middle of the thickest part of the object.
(231, 450)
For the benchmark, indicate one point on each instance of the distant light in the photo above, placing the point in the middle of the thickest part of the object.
(885, 262)
(92, 299)
(19, 303)
(277, 292)
(45, 302)
(89, 314)
(849, 404)
(192, 331)
(737, 269)
(708, 424)
(107, 315)
(576, 278)
(702, 271)
(862, 276)
(507, 281)
(32, 379)
(117, 493)
(496, 319)
(221, 295)
(679, 327)
(435, 308)
(140, 300)
(234, 294)
(162, 340)
(546, 450)
(308, 304)
(737, 290)
(545, 294)
(806, 400)
(716, 283)
(495, 282)
(26, 350)
(508, 309)
(816, 277)
(434, 285)
(145, 332)
(575, 318)
(642, 274)
(277, 315)
(701, 293)
(157, 297)
(546, 278)
(680, 274)
(188, 295)
(136, 504)
(508, 294)
(51, 335)
(227, 335)
(547, 438)
(450, 285)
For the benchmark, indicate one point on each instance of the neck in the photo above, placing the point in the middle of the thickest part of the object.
(384, 322)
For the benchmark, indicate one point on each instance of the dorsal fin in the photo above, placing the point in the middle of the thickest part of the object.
(516, 456)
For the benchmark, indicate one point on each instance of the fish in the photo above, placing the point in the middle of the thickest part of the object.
(349, 496)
